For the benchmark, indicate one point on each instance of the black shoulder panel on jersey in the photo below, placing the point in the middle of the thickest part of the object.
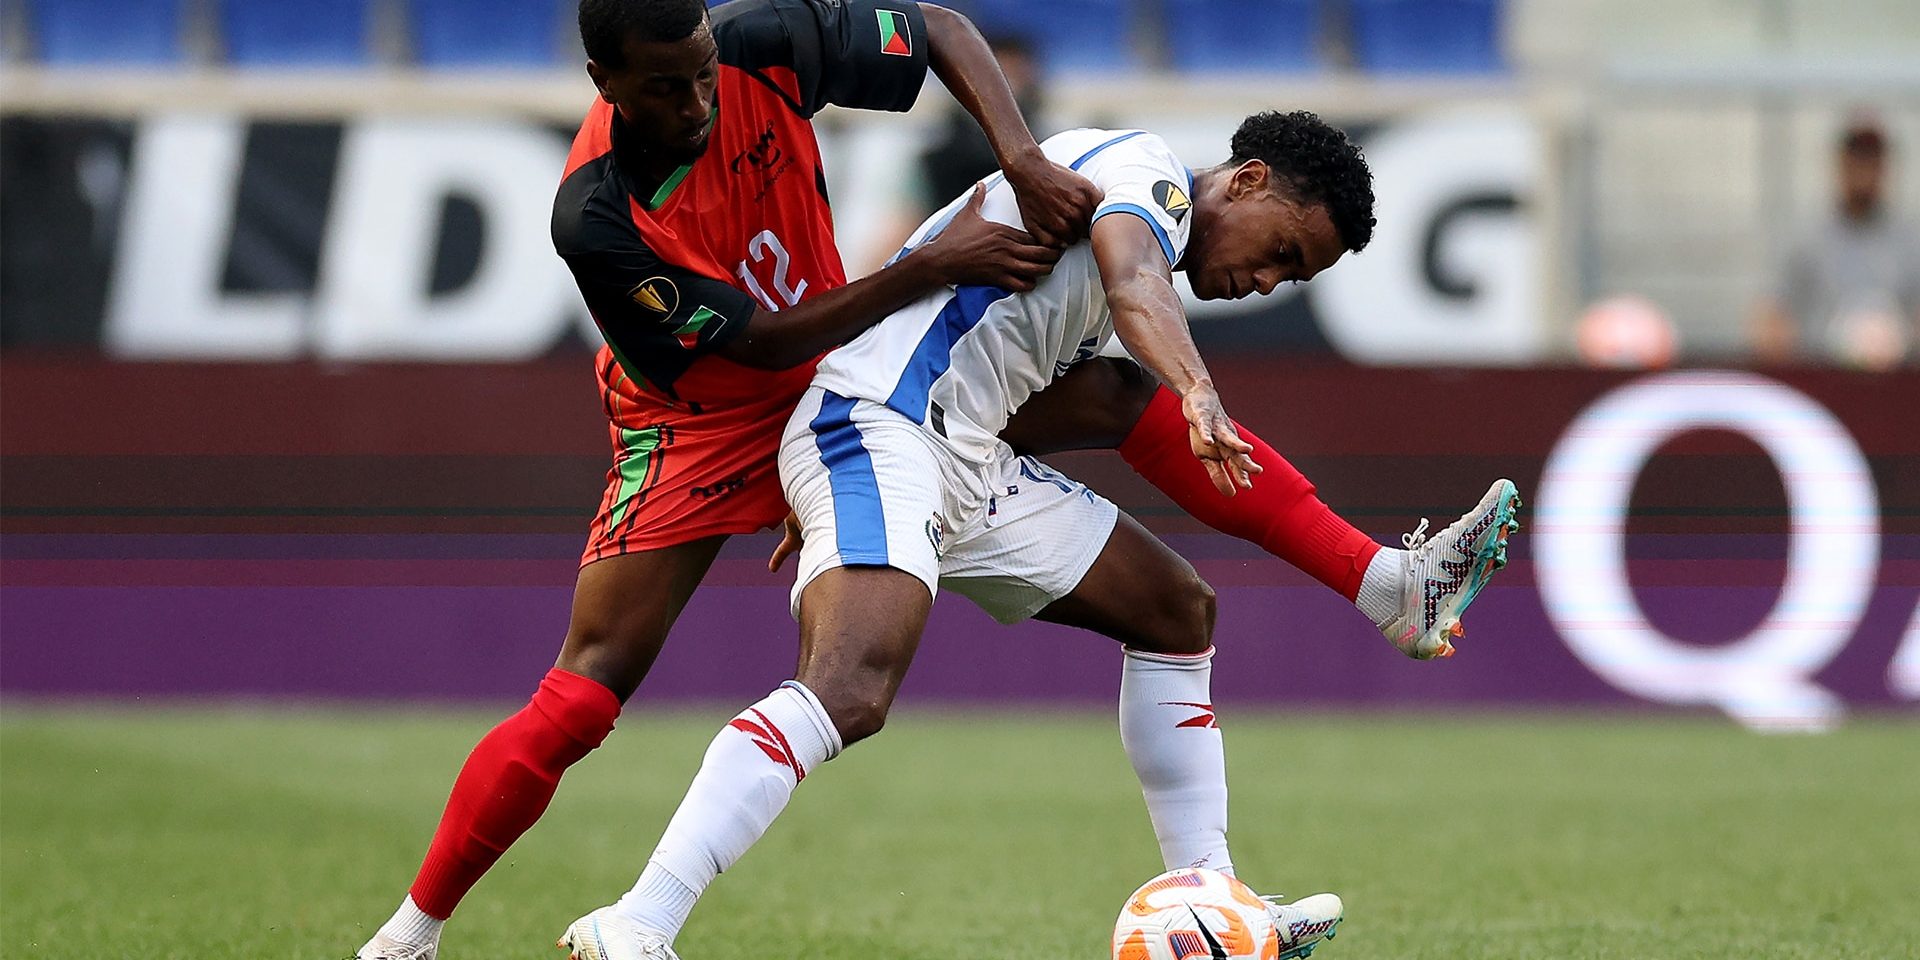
(865, 54)
(658, 316)
(587, 199)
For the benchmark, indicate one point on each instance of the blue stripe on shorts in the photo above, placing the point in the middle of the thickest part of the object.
(860, 523)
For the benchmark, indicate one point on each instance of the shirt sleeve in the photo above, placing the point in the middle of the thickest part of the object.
(1140, 176)
(658, 316)
(864, 54)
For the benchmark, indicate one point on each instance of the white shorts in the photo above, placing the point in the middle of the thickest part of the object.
(872, 488)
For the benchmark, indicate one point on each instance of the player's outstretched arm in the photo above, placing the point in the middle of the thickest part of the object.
(971, 250)
(1055, 202)
(1152, 325)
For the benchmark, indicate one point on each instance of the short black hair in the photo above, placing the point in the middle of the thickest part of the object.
(1317, 163)
(606, 24)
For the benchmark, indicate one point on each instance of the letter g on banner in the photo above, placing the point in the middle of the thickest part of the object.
(1764, 679)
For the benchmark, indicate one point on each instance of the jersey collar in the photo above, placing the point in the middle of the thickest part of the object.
(655, 191)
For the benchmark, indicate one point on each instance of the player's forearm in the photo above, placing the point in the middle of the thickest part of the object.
(1148, 319)
(790, 337)
(966, 66)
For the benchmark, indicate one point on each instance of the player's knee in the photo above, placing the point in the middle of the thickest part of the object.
(1187, 616)
(1209, 608)
(856, 713)
(1133, 390)
(857, 695)
(614, 656)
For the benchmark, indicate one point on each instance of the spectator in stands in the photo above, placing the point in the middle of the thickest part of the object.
(960, 153)
(1849, 291)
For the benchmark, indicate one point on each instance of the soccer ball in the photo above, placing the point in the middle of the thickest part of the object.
(1193, 912)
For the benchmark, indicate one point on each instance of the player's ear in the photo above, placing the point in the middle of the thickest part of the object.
(600, 79)
(1249, 179)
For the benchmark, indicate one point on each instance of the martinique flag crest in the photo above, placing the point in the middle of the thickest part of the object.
(689, 333)
(895, 38)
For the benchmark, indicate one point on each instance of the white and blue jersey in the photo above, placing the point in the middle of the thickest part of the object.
(961, 360)
(893, 457)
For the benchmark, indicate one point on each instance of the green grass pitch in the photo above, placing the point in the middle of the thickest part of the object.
(278, 833)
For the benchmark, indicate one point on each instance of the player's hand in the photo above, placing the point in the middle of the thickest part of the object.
(975, 250)
(1217, 442)
(790, 543)
(1056, 203)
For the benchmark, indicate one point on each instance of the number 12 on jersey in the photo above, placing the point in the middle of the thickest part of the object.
(758, 249)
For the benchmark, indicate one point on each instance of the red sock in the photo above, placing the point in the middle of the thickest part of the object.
(507, 782)
(1280, 513)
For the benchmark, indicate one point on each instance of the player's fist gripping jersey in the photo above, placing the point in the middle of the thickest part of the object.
(673, 269)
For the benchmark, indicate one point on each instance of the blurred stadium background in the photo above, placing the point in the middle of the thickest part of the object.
(295, 404)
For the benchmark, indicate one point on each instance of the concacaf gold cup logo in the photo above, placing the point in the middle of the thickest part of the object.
(657, 295)
(1172, 199)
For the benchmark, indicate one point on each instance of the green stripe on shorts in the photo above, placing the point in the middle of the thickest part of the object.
(636, 461)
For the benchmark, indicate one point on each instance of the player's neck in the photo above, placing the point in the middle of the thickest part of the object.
(648, 169)
(1209, 194)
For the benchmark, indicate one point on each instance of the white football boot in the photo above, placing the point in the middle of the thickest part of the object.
(606, 935)
(386, 948)
(1304, 923)
(1446, 572)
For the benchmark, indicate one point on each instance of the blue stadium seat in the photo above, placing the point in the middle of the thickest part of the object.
(486, 33)
(1088, 35)
(133, 32)
(1427, 36)
(1243, 35)
(296, 33)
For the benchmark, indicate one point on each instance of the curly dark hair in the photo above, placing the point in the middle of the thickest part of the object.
(606, 24)
(1317, 163)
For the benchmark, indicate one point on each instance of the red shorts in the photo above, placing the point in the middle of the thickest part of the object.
(683, 472)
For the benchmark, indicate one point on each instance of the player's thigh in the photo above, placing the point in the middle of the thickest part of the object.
(1092, 406)
(859, 629)
(1140, 593)
(623, 608)
(1042, 533)
(871, 492)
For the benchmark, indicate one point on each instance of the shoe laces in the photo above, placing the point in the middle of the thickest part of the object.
(1416, 539)
(1277, 903)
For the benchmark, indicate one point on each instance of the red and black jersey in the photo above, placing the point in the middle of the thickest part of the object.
(673, 269)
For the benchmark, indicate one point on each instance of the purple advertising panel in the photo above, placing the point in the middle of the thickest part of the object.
(1742, 542)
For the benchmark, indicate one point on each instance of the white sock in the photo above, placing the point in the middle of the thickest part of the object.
(1381, 586)
(1168, 727)
(411, 926)
(745, 781)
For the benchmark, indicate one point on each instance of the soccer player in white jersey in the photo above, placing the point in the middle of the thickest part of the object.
(900, 484)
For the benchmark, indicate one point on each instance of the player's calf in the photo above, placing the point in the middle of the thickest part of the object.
(1149, 598)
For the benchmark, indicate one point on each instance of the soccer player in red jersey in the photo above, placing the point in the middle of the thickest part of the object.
(694, 216)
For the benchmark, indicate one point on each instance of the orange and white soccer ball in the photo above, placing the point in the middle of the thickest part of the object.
(1192, 912)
